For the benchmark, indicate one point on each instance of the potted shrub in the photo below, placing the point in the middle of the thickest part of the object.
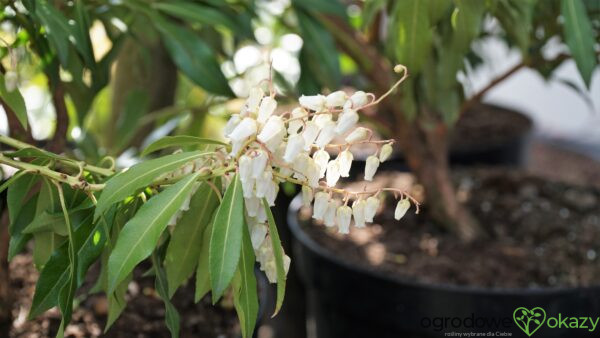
(434, 40)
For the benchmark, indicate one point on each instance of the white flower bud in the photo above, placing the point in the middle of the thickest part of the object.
(385, 152)
(329, 217)
(286, 263)
(263, 182)
(346, 121)
(345, 161)
(326, 135)
(245, 167)
(371, 167)
(336, 99)
(266, 109)
(307, 196)
(234, 120)
(248, 187)
(243, 130)
(344, 215)
(320, 205)
(296, 122)
(401, 208)
(300, 165)
(274, 143)
(255, 95)
(259, 163)
(294, 147)
(321, 158)
(333, 173)
(310, 133)
(252, 204)
(312, 173)
(322, 119)
(258, 233)
(271, 193)
(313, 102)
(358, 211)
(357, 135)
(272, 128)
(11, 80)
(357, 100)
(371, 208)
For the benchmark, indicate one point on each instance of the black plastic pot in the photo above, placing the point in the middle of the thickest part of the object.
(350, 301)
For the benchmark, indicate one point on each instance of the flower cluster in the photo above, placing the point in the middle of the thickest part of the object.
(270, 148)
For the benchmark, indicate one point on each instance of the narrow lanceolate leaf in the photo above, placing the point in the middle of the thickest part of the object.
(14, 100)
(117, 302)
(226, 239)
(278, 253)
(245, 296)
(579, 37)
(178, 141)
(203, 269)
(411, 34)
(128, 182)
(184, 247)
(171, 316)
(140, 235)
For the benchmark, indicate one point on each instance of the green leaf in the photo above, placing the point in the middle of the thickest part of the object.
(32, 152)
(410, 34)
(58, 31)
(370, 10)
(140, 175)
(579, 37)
(117, 302)
(55, 222)
(203, 269)
(136, 105)
(171, 316)
(178, 141)
(334, 7)
(467, 22)
(226, 239)
(278, 254)
(245, 297)
(184, 247)
(140, 235)
(17, 238)
(14, 100)
(193, 56)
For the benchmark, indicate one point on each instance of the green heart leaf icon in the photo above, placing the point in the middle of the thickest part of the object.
(529, 320)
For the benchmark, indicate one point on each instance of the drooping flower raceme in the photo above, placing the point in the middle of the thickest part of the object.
(270, 147)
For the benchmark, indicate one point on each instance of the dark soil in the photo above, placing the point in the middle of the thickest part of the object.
(542, 233)
(143, 316)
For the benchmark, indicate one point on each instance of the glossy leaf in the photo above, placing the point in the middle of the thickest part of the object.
(245, 296)
(161, 285)
(278, 254)
(140, 235)
(226, 239)
(410, 33)
(178, 141)
(579, 37)
(14, 100)
(140, 175)
(184, 247)
(203, 269)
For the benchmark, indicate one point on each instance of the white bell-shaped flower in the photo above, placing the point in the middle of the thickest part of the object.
(329, 217)
(252, 204)
(357, 100)
(401, 208)
(271, 193)
(336, 99)
(295, 145)
(272, 128)
(344, 215)
(300, 165)
(310, 133)
(358, 211)
(321, 158)
(236, 147)
(263, 183)
(307, 196)
(357, 135)
(371, 208)
(296, 120)
(245, 167)
(313, 102)
(261, 217)
(326, 135)
(322, 119)
(266, 109)
(320, 205)
(312, 173)
(371, 167)
(255, 96)
(234, 120)
(248, 187)
(286, 264)
(346, 121)
(258, 233)
(333, 173)
(385, 152)
(246, 128)
(345, 161)
(259, 163)
(274, 143)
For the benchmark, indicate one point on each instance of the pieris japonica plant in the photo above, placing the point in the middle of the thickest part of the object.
(204, 212)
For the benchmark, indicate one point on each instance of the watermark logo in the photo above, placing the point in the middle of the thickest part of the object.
(529, 320)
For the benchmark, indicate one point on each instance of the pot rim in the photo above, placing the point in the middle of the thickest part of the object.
(321, 251)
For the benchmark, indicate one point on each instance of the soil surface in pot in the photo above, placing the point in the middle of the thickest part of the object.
(542, 233)
(142, 317)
